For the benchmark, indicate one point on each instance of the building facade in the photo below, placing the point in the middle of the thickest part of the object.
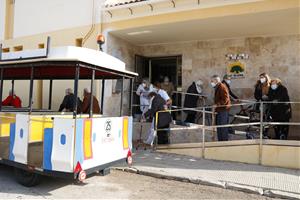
(183, 39)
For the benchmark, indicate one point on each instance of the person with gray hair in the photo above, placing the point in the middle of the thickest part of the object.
(87, 102)
(68, 103)
(144, 89)
(222, 106)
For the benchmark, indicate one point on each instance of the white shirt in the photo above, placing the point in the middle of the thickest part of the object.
(163, 94)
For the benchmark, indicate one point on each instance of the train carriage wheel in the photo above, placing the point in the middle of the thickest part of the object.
(26, 178)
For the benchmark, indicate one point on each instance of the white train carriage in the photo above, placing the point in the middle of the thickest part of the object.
(71, 145)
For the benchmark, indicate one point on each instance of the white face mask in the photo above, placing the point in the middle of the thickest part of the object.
(144, 85)
(199, 89)
(228, 81)
(213, 84)
(263, 80)
(274, 86)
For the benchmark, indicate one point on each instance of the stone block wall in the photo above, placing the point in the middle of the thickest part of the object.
(279, 56)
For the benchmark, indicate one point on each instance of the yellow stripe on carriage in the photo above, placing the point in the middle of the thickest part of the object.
(87, 139)
(125, 133)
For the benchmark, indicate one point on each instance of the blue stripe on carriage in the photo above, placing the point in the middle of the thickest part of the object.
(48, 144)
(12, 141)
(79, 142)
(130, 132)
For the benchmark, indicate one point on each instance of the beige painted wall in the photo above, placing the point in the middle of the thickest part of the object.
(281, 156)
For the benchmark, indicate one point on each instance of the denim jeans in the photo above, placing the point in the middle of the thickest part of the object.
(222, 119)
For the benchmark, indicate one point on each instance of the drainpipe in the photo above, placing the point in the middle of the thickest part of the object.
(89, 33)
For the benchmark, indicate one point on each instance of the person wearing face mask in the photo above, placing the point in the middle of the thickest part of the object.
(164, 120)
(222, 106)
(167, 86)
(262, 87)
(143, 91)
(227, 82)
(190, 101)
(280, 112)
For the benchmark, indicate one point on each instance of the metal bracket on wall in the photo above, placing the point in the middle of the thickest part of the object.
(174, 4)
(151, 6)
(131, 11)
(110, 13)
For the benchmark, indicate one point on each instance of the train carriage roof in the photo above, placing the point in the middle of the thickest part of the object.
(61, 62)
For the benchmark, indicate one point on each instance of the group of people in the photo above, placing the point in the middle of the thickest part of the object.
(69, 102)
(153, 98)
(271, 91)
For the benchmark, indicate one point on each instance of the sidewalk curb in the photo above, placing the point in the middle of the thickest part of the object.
(221, 184)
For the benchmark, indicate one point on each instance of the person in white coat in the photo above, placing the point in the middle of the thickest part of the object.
(144, 89)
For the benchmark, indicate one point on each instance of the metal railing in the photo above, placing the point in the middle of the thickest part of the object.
(204, 127)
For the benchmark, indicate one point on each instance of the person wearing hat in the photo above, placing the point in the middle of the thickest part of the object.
(190, 100)
(227, 81)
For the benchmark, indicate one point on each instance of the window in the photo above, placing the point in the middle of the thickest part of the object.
(5, 50)
(78, 42)
(18, 48)
(41, 46)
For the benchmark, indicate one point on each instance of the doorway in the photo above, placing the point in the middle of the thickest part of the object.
(156, 68)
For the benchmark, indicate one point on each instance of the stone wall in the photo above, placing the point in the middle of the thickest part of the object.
(126, 52)
(277, 56)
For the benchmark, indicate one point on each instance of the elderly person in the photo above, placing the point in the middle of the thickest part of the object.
(86, 103)
(144, 89)
(222, 104)
(190, 100)
(279, 112)
(167, 86)
(227, 81)
(68, 103)
(12, 100)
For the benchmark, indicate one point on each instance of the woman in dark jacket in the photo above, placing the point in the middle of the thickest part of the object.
(262, 87)
(163, 122)
(190, 101)
(280, 112)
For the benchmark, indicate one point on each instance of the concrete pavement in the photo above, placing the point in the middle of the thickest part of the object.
(269, 181)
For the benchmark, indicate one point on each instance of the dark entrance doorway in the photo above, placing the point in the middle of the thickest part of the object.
(156, 68)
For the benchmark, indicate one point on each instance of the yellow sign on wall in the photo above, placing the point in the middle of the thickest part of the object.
(236, 69)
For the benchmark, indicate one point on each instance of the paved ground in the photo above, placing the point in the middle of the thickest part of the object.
(260, 179)
(117, 185)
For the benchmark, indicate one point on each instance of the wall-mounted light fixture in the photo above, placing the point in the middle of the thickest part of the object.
(240, 56)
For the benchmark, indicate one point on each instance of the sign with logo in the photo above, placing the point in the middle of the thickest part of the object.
(107, 127)
(236, 69)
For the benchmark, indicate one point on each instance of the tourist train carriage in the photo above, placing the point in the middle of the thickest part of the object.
(72, 145)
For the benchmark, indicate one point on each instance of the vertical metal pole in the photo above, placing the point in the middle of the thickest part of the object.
(48, 45)
(50, 94)
(155, 131)
(130, 96)
(203, 132)
(122, 91)
(77, 73)
(1, 51)
(92, 94)
(31, 90)
(102, 96)
(261, 131)
(1, 87)
(182, 105)
(12, 87)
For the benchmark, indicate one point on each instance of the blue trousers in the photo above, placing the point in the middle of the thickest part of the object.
(222, 118)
